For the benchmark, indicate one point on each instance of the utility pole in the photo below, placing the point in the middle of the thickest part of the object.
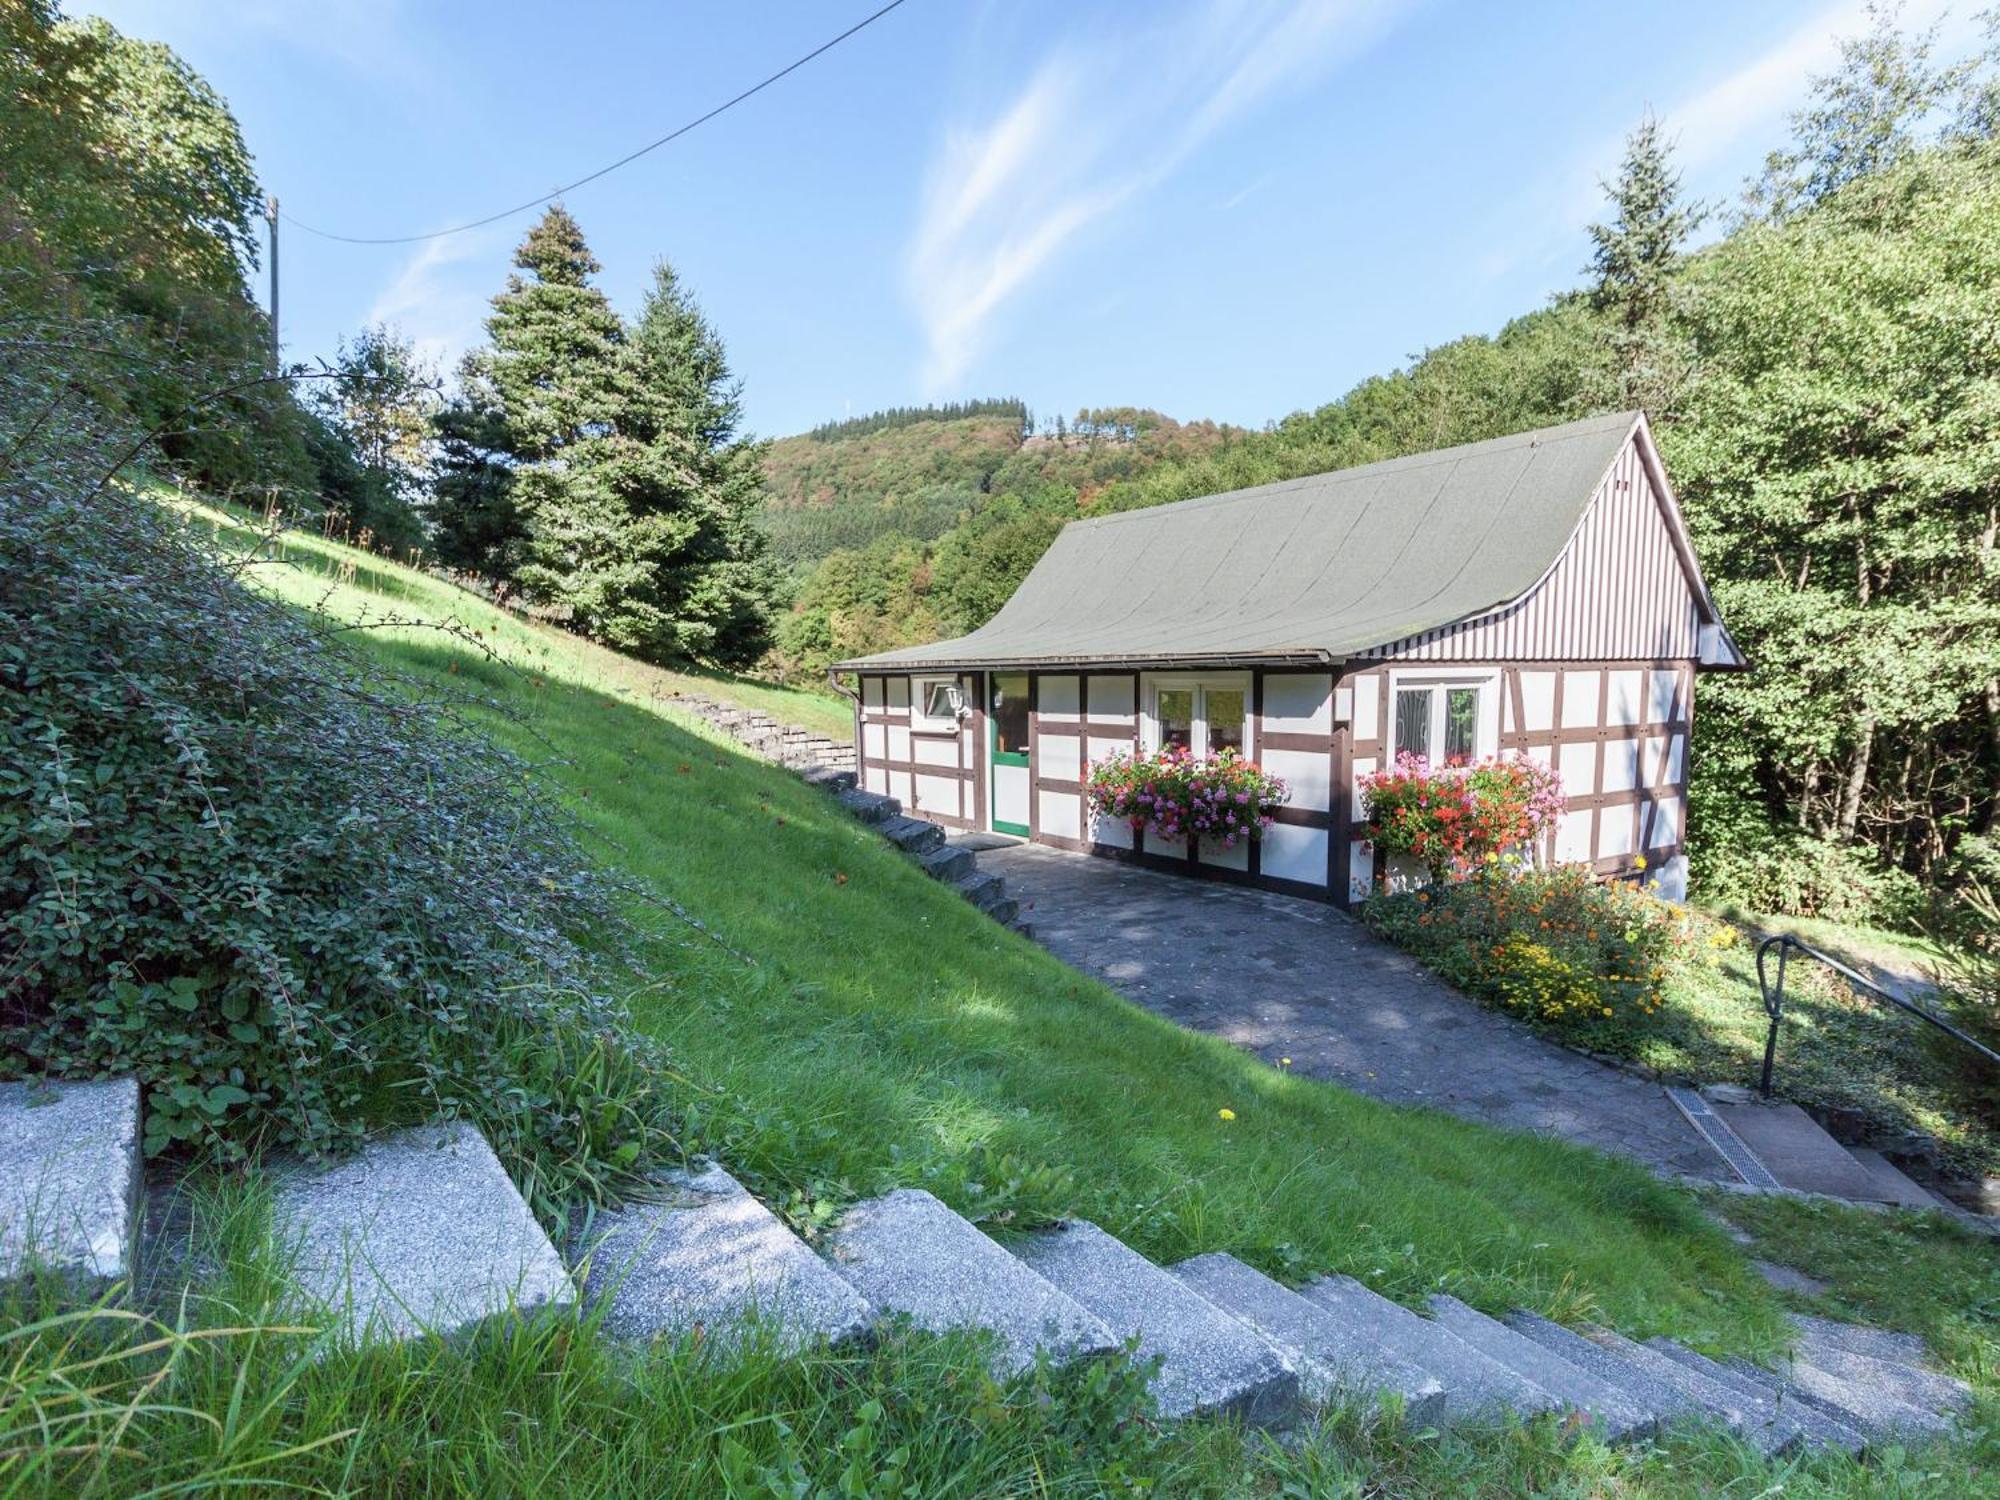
(271, 218)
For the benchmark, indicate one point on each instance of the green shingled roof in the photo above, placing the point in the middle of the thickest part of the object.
(1317, 568)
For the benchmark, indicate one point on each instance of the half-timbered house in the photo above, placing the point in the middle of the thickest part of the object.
(1535, 593)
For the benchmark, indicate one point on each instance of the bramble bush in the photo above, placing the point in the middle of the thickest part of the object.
(1453, 818)
(1552, 945)
(1216, 798)
(290, 893)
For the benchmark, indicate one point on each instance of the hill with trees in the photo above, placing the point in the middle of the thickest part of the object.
(1821, 380)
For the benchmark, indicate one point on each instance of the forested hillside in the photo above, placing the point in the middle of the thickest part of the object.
(1821, 376)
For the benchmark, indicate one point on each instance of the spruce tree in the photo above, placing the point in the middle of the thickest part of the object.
(542, 387)
(1633, 267)
(655, 547)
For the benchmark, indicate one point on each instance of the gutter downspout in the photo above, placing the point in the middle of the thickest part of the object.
(833, 680)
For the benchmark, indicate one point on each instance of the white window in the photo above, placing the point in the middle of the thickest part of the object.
(1202, 715)
(936, 703)
(1445, 720)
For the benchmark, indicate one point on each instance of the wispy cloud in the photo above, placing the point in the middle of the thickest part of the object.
(432, 300)
(1101, 121)
(371, 38)
(1710, 128)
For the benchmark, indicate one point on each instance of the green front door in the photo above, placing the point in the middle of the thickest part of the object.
(1009, 713)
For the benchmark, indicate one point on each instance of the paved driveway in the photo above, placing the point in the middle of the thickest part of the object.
(1290, 978)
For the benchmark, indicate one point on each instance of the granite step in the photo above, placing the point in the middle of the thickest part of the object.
(1872, 1395)
(1771, 1398)
(709, 1257)
(1004, 910)
(869, 807)
(830, 779)
(1332, 1356)
(1753, 1419)
(913, 835)
(1796, 1151)
(1856, 1338)
(948, 863)
(905, 1252)
(419, 1232)
(69, 1180)
(1672, 1399)
(1209, 1361)
(1614, 1413)
(983, 889)
(1892, 1185)
(1476, 1385)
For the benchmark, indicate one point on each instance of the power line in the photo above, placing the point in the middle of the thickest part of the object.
(672, 135)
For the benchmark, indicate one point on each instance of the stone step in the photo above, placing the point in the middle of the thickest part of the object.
(948, 863)
(419, 1232)
(1751, 1418)
(1869, 1407)
(1771, 1398)
(905, 1252)
(69, 1180)
(1025, 928)
(710, 1257)
(1672, 1399)
(1475, 1384)
(830, 779)
(983, 889)
(913, 835)
(869, 807)
(1004, 911)
(1614, 1413)
(1209, 1360)
(1331, 1355)
(1877, 1343)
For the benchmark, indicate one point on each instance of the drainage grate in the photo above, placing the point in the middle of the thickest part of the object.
(1728, 1144)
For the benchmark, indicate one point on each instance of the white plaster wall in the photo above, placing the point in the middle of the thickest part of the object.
(875, 779)
(900, 788)
(871, 692)
(1367, 706)
(1579, 769)
(1363, 765)
(1538, 701)
(939, 794)
(1102, 749)
(929, 752)
(1614, 832)
(1298, 702)
(1293, 853)
(1660, 698)
(899, 742)
(874, 742)
(1061, 756)
(1309, 775)
(1360, 870)
(1056, 699)
(1111, 699)
(1061, 814)
(1622, 691)
(1621, 765)
(899, 692)
(1573, 837)
(1579, 700)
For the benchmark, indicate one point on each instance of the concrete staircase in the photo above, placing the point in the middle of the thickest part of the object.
(924, 841)
(422, 1233)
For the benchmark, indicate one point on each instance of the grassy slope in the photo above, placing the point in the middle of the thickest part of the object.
(886, 1033)
(383, 588)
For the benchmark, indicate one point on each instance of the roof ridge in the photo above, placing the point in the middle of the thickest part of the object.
(1406, 462)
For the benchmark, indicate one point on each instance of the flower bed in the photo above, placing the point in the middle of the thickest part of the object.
(1454, 818)
(1218, 798)
(1554, 946)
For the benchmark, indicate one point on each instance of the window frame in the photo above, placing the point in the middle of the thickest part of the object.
(1486, 711)
(1200, 683)
(920, 696)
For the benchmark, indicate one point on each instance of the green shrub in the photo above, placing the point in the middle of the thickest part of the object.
(293, 897)
(1553, 946)
(1786, 872)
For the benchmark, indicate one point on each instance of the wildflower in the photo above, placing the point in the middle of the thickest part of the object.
(1638, 861)
(1226, 1113)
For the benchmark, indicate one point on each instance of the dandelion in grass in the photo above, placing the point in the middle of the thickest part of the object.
(1225, 1113)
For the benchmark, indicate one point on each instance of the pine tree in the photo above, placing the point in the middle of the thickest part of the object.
(1634, 264)
(654, 545)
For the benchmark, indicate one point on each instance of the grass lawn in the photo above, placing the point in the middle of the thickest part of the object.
(384, 588)
(845, 1024)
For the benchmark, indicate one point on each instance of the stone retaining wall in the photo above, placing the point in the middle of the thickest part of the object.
(771, 738)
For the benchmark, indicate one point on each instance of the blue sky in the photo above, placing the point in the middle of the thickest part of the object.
(1217, 208)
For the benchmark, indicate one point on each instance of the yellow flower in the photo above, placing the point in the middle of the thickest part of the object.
(1226, 1113)
(1638, 861)
(1284, 1062)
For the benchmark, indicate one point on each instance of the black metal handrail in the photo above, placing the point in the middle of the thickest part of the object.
(1774, 999)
